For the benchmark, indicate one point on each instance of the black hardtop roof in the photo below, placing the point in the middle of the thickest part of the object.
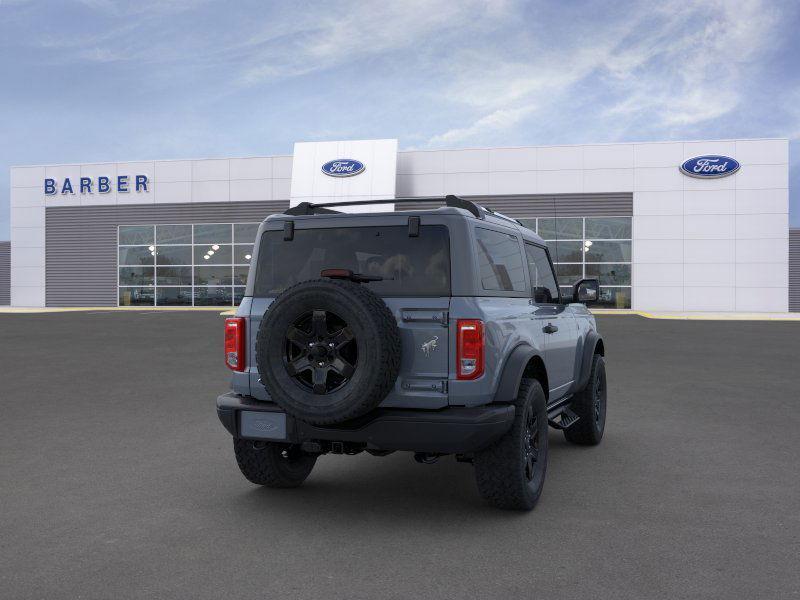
(475, 210)
(453, 205)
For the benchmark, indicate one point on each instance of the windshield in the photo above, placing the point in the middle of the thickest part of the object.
(410, 266)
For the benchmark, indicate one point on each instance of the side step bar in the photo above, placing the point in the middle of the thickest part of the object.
(560, 415)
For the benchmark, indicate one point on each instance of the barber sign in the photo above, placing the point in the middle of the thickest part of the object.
(343, 167)
(710, 166)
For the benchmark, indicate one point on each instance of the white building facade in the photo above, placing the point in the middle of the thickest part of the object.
(659, 238)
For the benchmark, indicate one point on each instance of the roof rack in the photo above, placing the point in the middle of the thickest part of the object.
(307, 208)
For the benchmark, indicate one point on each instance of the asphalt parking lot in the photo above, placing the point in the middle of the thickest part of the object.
(119, 482)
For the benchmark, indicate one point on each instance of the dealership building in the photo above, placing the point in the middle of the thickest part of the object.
(665, 226)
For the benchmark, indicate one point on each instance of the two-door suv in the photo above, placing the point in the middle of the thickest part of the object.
(439, 331)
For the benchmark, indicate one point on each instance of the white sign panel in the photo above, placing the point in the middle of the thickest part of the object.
(347, 170)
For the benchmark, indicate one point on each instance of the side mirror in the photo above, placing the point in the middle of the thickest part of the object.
(586, 291)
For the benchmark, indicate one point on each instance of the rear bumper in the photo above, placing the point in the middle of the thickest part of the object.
(452, 430)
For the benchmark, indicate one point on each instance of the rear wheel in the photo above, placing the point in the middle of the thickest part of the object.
(590, 406)
(273, 465)
(510, 473)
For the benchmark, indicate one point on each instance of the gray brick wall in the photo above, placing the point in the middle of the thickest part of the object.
(794, 270)
(82, 242)
(5, 273)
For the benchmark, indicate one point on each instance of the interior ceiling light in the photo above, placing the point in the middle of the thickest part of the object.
(215, 247)
(247, 257)
(206, 257)
(151, 248)
(211, 253)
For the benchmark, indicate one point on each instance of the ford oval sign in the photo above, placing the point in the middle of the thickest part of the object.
(343, 167)
(710, 166)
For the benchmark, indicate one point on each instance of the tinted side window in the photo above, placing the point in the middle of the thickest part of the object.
(543, 281)
(500, 261)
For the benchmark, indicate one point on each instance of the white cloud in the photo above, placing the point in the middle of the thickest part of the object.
(673, 64)
(500, 119)
(300, 44)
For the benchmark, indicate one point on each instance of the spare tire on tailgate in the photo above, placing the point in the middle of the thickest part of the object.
(328, 350)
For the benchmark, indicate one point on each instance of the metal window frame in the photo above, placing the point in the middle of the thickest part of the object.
(192, 266)
(583, 262)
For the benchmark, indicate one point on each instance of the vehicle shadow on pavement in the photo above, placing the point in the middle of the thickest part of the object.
(352, 488)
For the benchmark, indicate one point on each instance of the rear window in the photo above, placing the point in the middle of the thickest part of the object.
(410, 266)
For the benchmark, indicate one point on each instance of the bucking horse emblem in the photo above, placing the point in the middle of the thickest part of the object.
(430, 345)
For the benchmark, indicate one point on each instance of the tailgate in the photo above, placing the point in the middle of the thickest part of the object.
(425, 365)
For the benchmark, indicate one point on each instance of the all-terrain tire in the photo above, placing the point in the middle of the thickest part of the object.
(373, 330)
(590, 406)
(272, 465)
(505, 475)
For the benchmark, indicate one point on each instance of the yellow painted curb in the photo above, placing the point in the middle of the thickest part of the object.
(698, 316)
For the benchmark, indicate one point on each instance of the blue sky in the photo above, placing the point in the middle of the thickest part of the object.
(98, 80)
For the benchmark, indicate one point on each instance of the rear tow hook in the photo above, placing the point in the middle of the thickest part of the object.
(426, 458)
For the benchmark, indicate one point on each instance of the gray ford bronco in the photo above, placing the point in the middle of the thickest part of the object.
(439, 331)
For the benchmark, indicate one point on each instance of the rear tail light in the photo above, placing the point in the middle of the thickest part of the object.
(469, 349)
(234, 343)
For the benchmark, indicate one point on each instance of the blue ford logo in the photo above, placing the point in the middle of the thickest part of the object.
(710, 166)
(343, 167)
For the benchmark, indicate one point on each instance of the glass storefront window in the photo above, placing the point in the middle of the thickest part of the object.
(213, 234)
(166, 264)
(569, 228)
(174, 276)
(212, 275)
(136, 276)
(136, 296)
(610, 274)
(608, 251)
(569, 272)
(174, 296)
(213, 296)
(173, 234)
(213, 254)
(240, 275)
(136, 255)
(561, 251)
(245, 233)
(174, 255)
(242, 254)
(590, 247)
(608, 228)
(614, 297)
(135, 235)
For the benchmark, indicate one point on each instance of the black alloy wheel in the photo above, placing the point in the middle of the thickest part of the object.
(321, 352)
(590, 406)
(530, 445)
(599, 396)
(328, 351)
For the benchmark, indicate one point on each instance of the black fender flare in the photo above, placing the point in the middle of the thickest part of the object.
(508, 388)
(589, 346)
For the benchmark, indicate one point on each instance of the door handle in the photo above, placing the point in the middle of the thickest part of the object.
(550, 328)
